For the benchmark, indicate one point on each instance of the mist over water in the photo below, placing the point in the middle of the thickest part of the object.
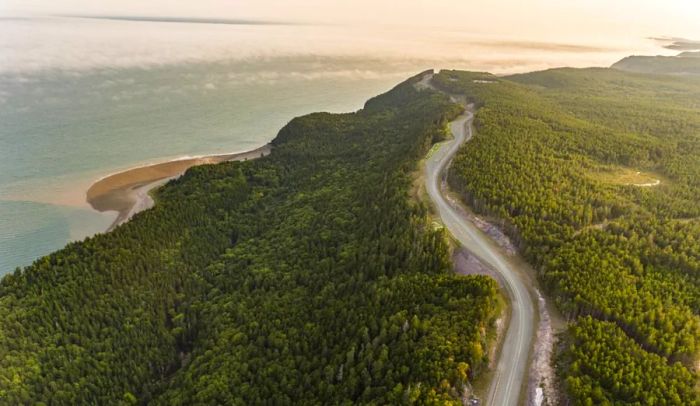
(35, 44)
(81, 98)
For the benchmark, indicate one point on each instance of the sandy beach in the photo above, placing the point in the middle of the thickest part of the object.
(127, 192)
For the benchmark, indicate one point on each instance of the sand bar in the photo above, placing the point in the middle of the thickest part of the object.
(127, 192)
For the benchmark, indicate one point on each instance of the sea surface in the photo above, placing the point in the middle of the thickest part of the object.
(81, 98)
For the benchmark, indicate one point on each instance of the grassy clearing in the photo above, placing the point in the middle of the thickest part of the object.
(619, 175)
(434, 149)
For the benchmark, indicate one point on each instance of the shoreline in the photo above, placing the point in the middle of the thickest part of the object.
(127, 192)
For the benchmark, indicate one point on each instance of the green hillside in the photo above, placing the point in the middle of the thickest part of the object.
(305, 277)
(686, 63)
(595, 173)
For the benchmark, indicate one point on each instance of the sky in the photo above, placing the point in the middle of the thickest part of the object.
(533, 19)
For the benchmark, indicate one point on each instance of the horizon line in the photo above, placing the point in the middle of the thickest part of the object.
(184, 20)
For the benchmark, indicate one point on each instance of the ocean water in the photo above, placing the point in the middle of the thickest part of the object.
(82, 98)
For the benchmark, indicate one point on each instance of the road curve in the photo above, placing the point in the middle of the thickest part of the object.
(509, 376)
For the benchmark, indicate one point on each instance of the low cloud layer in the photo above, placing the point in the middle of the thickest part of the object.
(189, 20)
(678, 44)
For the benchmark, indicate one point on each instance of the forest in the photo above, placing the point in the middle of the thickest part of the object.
(685, 63)
(308, 276)
(595, 174)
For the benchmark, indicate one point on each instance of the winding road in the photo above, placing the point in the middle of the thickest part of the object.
(513, 362)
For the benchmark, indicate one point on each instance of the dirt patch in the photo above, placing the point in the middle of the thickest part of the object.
(541, 389)
(466, 263)
(489, 229)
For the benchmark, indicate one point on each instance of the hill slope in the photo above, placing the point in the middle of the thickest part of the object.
(307, 276)
(686, 63)
(596, 174)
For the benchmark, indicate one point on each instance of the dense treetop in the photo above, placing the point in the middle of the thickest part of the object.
(595, 173)
(305, 277)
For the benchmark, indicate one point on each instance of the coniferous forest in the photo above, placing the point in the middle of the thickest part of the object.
(312, 276)
(308, 276)
(595, 173)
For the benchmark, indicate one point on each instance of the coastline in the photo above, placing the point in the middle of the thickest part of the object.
(127, 192)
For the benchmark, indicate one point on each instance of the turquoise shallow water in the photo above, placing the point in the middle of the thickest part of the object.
(30, 229)
(59, 131)
(83, 98)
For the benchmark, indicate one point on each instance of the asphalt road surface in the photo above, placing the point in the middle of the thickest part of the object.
(509, 376)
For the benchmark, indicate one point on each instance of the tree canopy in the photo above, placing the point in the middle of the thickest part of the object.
(595, 173)
(308, 276)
